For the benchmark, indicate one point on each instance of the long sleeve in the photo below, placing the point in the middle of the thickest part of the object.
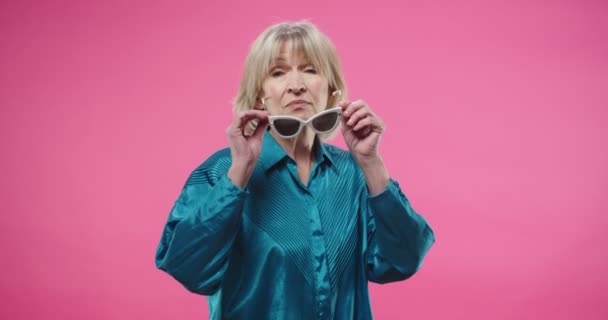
(397, 237)
(199, 233)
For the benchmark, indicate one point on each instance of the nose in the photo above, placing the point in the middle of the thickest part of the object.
(296, 84)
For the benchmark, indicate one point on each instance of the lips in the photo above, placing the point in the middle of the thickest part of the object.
(296, 103)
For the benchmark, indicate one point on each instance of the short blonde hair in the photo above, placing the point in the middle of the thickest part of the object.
(302, 37)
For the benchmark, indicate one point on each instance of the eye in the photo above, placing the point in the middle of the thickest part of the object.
(276, 73)
(310, 69)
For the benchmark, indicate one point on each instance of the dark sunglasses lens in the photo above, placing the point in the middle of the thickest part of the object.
(325, 122)
(286, 127)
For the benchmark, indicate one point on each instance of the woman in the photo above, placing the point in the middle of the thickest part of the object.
(280, 225)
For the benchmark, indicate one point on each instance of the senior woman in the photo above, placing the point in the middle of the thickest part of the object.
(281, 225)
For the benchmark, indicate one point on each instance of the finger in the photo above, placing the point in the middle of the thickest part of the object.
(250, 126)
(365, 132)
(343, 121)
(353, 107)
(238, 118)
(259, 130)
(343, 104)
(358, 115)
(368, 121)
(243, 117)
(245, 122)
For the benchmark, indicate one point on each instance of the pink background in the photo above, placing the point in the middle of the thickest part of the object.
(497, 129)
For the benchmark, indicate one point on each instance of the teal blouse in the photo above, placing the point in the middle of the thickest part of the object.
(284, 250)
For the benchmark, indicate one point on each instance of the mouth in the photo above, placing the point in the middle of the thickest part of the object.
(298, 104)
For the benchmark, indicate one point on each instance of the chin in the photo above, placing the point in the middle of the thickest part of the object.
(302, 112)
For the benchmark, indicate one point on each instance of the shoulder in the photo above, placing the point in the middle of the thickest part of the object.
(219, 158)
(213, 168)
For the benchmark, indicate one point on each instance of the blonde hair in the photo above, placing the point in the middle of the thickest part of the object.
(302, 37)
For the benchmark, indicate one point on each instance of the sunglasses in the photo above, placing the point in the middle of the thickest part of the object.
(322, 122)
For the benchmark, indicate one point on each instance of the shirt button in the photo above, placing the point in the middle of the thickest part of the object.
(321, 314)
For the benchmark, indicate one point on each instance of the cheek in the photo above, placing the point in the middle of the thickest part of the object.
(317, 84)
(271, 87)
(320, 89)
(268, 88)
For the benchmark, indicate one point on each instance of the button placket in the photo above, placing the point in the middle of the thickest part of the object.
(320, 253)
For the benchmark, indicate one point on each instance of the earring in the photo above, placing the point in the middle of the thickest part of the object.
(334, 94)
(263, 100)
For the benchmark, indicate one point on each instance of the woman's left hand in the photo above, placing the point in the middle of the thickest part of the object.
(362, 130)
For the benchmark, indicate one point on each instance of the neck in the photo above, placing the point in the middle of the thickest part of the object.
(300, 147)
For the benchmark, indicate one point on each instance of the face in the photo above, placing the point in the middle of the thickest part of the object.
(293, 86)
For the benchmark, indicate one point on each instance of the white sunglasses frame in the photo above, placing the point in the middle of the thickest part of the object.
(308, 122)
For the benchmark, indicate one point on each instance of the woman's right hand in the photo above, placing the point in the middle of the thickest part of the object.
(245, 150)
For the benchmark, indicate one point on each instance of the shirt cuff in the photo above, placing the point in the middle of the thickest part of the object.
(392, 189)
(230, 188)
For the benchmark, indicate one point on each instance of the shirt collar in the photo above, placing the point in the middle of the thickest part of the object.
(272, 152)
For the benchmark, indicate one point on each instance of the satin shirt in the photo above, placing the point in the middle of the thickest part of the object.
(279, 249)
